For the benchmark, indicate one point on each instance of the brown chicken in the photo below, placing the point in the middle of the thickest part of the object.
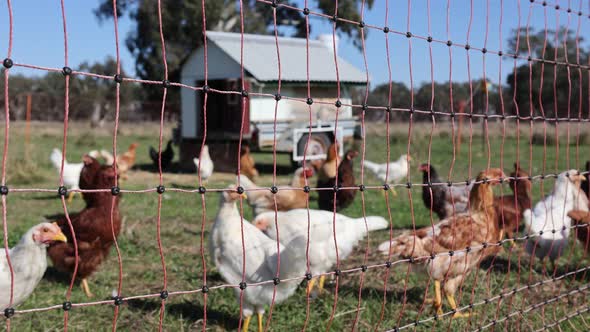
(582, 220)
(328, 169)
(454, 234)
(585, 185)
(92, 225)
(126, 160)
(247, 164)
(262, 200)
(344, 197)
(509, 208)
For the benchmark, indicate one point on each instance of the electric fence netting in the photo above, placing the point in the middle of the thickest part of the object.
(498, 242)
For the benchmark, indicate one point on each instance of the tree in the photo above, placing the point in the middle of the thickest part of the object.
(89, 97)
(182, 27)
(400, 98)
(526, 85)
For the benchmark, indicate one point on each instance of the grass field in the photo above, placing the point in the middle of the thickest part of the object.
(181, 224)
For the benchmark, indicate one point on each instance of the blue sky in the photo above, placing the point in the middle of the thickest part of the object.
(38, 36)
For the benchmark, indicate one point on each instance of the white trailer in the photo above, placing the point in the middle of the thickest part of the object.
(230, 116)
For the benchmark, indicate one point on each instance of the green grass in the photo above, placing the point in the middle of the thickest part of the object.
(181, 233)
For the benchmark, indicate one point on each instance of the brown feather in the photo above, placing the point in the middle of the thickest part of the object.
(456, 233)
(92, 225)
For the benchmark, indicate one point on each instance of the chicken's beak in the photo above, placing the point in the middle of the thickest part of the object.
(244, 196)
(60, 237)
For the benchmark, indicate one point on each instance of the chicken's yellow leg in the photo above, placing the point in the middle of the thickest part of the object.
(310, 285)
(322, 281)
(246, 324)
(86, 288)
(393, 192)
(437, 302)
(453, 304)
(392, 188)
(71, 196)
(259, 322)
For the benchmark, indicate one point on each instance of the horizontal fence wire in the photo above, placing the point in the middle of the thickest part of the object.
(384, 108)
(384, 265)
(506, 294)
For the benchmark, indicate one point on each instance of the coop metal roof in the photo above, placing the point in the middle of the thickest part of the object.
(261, 61)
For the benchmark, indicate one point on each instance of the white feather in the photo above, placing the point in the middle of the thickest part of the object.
(29, 263)
(398, 170)
(71, 174)
(206, 164)
(293, 224)
(551, 214)
(225, 245)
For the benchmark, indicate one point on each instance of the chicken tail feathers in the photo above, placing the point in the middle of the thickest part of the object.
(293, 259)
(108, 157)
(56, 158)
(153, 154)
(406, 246)
(374, 223)
(384, 247)
(371, 166)
(246, 182)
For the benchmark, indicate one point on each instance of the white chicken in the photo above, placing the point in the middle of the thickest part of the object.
(398, 170)
(71, 172)
(293, 224)
(261, 258)
(29, 262)
(551, 214)
(206, 164)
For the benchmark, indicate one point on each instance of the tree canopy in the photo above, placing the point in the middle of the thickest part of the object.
(182, 27)
(90, 97)
(563, 86)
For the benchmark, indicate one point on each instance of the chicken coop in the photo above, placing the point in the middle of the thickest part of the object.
(261, 76)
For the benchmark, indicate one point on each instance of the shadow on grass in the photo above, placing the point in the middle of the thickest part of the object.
(498, 264)
(268, 169)
(53, 275)
(188, 311)
(49, 197)
(183, 186)
(173, 167)
(413, 295)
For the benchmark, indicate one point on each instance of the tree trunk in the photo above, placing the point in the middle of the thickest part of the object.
(96, 120)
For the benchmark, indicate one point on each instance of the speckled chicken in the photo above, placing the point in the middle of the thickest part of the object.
(456, 233)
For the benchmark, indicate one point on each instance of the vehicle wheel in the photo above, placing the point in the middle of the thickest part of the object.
(318, 144)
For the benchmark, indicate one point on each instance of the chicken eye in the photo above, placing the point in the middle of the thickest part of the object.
(45, 230)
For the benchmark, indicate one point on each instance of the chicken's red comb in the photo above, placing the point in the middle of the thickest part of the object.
(308, 172)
